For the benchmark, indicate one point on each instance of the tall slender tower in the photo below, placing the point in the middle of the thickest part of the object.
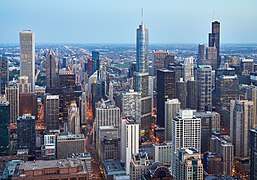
(214, 39)
(51, 70)
(4, 74)
(27, 56)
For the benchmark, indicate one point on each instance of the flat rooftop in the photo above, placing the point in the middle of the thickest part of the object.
(113, 167)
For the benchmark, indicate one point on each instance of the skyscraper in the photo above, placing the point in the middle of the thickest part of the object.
(27, 56)
(96, 60)
(192, 94)
(204, 79)
(253, 153)
(12, 95)
(131, 105)
(51, 70)
(188, 67)
(51, 110)
(172, 107)
(241, 119)
(201, 54)
(26, 135)
(165, 90)
(129, 140)
(73, 118)
(214, 40)
(158, 59)
(24, 85)
(4, 131)
(4, 74)
(181, 92)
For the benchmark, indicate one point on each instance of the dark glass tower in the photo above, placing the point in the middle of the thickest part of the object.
(4, 132)
(253, 153)
(165, 90)
(96, 60)
(51, 70)
(214, 39)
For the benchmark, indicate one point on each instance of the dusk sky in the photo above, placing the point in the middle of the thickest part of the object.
(115, 21)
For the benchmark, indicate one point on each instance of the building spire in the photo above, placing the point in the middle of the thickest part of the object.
(142, 15)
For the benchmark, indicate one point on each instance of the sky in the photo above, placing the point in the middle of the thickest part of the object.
(115, 21)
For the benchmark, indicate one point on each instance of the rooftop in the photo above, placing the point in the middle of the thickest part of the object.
(113, 167)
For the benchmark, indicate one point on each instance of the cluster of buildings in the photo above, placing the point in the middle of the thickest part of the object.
(205, 125)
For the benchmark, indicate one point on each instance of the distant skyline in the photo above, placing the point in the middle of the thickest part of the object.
(112, 21)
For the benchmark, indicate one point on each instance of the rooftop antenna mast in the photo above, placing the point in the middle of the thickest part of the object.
(142, 15)
(213, 16)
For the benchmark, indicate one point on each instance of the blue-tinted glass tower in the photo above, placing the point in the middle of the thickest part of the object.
(4, 131)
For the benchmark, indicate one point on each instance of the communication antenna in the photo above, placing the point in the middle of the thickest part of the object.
(142, 14)
(213, 16)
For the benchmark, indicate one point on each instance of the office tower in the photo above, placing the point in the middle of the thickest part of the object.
(211, 57)
(49, 147)
(51, 70)
(226, 90)
(4, 121)
(12, 95)
(70, 143)
(107, 114)
(169, 59)
(162, 153)
(139, 166)
(172, 107)
(67, 80)
(204, 79)
(152, 90)
(83, 108)
(247, 66)
(188, 67)
(210, 122)
(51, 109)
(214, 40)
(73, 118)
(109, 148)
(111, 91)
(4, 74)
(24, 85)
(192, 94)
(241, 119)
(158, 59)
(27, 56)
(129, 140)
(253, 151)
(201, 54)
(131, 105)
(26, 135)
(132, 69)
(186, 133)
(165, 90)
(189, 164)
(95, 60)
(64, 62)
(178, 69)
(28, 104)
(222, 147)
(181, 93)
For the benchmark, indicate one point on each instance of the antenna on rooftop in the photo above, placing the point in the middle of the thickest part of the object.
(142, 14)
(213, 16)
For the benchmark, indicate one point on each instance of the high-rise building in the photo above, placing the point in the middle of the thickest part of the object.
(165, 90)
(158, 59)
(4, 74)
(214, 40)
(107, 115)
(51, 110)
(51, 70)
(192, 94)
(210, 122)
(189, 164)
(201, 54)
(241, 119)
(186, 133)
(139, 166)
(172, 107)
(26, 135)
(204, 79)
(12, 95)
(253, 153)
(131, 105)
(129, 140)
(211, 57)
(162, 153)
(83, 108)
(73, 118)
(188, 67)
(181, 92)
(169, 59)
(4, 121)
(27, 56)
(24, 85)
(96, 60)
(222, 147)
(110, 91)
(28, 104)
(247, 66)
